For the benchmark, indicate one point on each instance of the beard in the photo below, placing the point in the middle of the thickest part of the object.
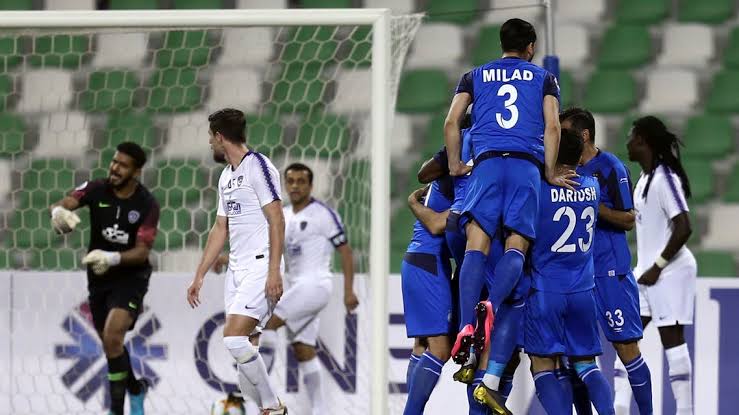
(219, 157)
(122, 184)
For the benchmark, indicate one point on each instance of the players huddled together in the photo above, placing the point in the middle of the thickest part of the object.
(534, 216)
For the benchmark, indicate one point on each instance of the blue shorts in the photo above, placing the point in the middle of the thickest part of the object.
(504, 191)
(617, 299)
(427, 295)
(561, 324)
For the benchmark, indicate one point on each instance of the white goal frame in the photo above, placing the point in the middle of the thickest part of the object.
(381, 117)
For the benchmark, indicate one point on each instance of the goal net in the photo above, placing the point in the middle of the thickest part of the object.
(70, 95)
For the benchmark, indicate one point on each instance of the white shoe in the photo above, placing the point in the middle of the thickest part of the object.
(280, 410)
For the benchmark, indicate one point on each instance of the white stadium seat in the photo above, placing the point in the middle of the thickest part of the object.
(234, 88)
(183, 260)
(437, 45)
(63, 134)
(723, 228)
(670, 91)
(352, 94)
(70, 5)
(120, 50)
(502, 10)
(397, 6)
(583, 11)
(247, 46)
(401, 138)
(45, 90)
(5, 179)
(572, 46)
(687, 45)
(187, 137)
(261, 4)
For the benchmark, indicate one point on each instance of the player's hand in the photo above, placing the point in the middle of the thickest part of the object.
(350, 301)
(650, 277)
(459, 168)
(273, 287)
(193, 292)
(563, 178)
(100, 260)
(220, 263)
(63, 220)
(417, 195)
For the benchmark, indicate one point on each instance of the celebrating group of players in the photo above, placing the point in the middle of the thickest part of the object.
(535, 217)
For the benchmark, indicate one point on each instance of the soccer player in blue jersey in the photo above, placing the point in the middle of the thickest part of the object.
(560, 313)
(616, 292)
(515, 133)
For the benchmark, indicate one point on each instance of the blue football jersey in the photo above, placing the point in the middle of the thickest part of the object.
(612, 256)
(460, 182)
(439, 198)
(507, 113)
(562, 256)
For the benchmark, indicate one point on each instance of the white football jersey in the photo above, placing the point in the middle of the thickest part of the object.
(242, 192)
(311, 236)
(654, 214)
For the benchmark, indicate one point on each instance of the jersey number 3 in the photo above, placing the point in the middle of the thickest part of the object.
(587, 214)
(512, 93)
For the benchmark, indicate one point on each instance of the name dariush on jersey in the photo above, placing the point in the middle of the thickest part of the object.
(501, 75)
(585, 194)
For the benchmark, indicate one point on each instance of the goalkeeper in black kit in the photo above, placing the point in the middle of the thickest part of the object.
(123, 226)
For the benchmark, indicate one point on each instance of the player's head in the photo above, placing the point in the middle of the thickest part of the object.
(570, 148)
(299, 182)
(651, 141)
(581, 121)
(518, 37)
(227, 127)
(126, 164)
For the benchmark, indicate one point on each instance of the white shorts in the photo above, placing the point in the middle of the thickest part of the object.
(299, 308)
(671, 300)
(244, 291)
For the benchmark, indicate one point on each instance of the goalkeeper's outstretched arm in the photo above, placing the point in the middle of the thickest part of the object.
(63, 219)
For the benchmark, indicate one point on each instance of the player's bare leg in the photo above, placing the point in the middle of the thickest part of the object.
(119, 367)
(680, 367)
(236, 339)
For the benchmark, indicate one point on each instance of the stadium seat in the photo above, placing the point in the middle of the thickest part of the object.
(687, 45)
(16, 5)
(401, 136)
(265, 134)
(249, 46)
(731, 51)
(433, 138)
(234, 88)
(732, 190)
(10, 53)
(567, 89)
(487, 47)
(178, 182)
(715, 264)
(131, 126)
(190, 49)
(610, 92)
(397, 6)
(133, 4)
(30, 228)
(326, 4)
(45, 182)
(187, 137)
(63, 134)
(261, 4)
(625, 47)
(120, 50)
(45, 90)
(180, 260)
(174, 90)
(423, 90)
(575, 36)
(708, 137)
(502, 10)
(60, 51)
(301, 87)
(109, 90)
(12, 135)
(197, 4)
(705, 11)
(60, 259)
(6, 170)
(458, 12)
(174, 224)
(670, 91)
(401, 225)
(359, 44)
(722, 97)
(69, 4)
(309, 45)
(436, 45)
(700, 174)
(352, 95)
(722, 225)
(323, 135)
(642, 11)
(584, 11)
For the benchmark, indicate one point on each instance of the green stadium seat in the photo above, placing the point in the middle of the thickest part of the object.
(567, 90)
(60, 51)
(46, 181)
(705, 11)
(12, 135)
(423, 90)
(134, 4)
(197, 4)
(31, 228)
(5, 261)
(701, 178)
(458, 11)
(401, 226)
(642, 11)
(732, 190)
(310, 45)
(300, 88)
(351, 207)
(715, 264)
(179, 182)
(359, 44)
(434, 137)
(6, 89)
(130, 126)
(722, 97)
(326, 4)
(10, 53)
(708, 137)
(731, 52)
(610, 92)
(174, 90)
(174, 224)
(487, 47)
(54, 259)
(109, 90)
(16, 5)
(322, 135)
(264, 134)
(625, 47)
(185, 49)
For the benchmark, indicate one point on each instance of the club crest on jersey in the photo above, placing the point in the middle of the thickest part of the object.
(239, 181)
(303, 225)
(133, 216)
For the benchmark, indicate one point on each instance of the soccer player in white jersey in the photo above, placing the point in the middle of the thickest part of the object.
(250, 214)
(313, 232)
(666, 269)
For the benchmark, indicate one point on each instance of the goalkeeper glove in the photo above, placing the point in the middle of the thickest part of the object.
(101, 260)
(63, 220)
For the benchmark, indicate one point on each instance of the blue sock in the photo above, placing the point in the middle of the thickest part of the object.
(580, 396)
(598, 388)
(505, 335)
(563, 376)
(476, 408)
(507, 273)
(549, 393)
(641, 384)
(412, 362)
(424, 379)
(471, 281)
(506, 385)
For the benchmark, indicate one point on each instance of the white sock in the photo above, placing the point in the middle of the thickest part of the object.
(622, 395)
(491, 381)
(311, 371)
(680, 370)
(251, 365)
(267, 344)
(248, 390)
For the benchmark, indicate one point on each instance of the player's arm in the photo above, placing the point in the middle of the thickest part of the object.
(623, 220)
(458, 108)
(63, 219)
(276, 221)
(213, 247)
(434, 221)
(347, 266)
(618, 186)
(435, 167)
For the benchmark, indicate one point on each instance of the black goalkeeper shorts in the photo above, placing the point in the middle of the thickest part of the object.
(127, 294)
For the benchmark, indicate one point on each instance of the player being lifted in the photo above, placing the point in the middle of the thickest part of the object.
(666, 267)
(250, 215)
(123, 226)
(313, 232)
(560, 315)
(515, 133)
(616, 292)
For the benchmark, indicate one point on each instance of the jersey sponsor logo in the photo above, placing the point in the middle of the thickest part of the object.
(103, 205)
(303, 225)
(82, 186)
(233, 208)
(115, 235)
(501, 75)
(133, 216)
(623, 180)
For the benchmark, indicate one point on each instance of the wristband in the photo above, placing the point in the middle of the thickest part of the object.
(660, 262)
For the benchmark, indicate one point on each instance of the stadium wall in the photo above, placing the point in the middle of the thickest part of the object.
(52, 362)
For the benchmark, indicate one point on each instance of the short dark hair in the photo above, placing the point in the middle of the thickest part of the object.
(516, 34)
(134, 151)
(581, 119)
(300, 167)
(231, 123)
(570, 148)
